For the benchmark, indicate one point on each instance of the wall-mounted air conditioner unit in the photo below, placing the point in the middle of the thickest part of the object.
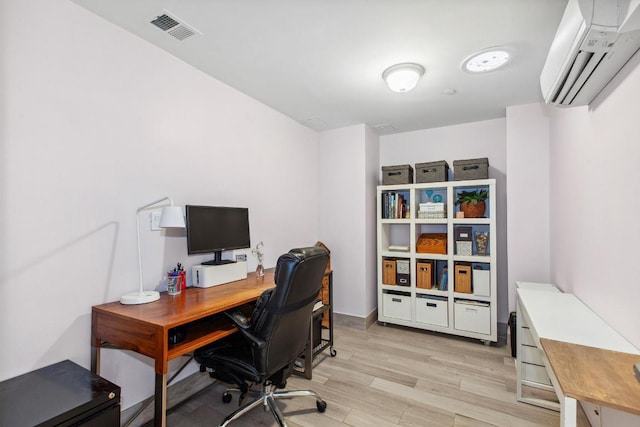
(593, 42)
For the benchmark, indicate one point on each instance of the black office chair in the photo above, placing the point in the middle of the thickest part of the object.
(267, 345)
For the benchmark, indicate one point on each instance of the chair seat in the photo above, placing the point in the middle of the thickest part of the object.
(229, 358)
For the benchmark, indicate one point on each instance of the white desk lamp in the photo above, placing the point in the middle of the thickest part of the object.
(171, 217)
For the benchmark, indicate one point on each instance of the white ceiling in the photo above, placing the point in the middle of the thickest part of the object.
(320, 61)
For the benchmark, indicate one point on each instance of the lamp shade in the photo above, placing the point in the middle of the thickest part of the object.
(172, 217)
(403, 77)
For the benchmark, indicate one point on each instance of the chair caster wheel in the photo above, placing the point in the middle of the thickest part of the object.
(321, 405)
(226, 397)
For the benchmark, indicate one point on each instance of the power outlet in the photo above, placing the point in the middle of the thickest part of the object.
(155, 220)
(241, 257)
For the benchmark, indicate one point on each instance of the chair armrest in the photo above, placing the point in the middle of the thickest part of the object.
(239, 319)
(244, 326)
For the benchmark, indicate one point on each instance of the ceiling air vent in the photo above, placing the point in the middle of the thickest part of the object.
(174, 27)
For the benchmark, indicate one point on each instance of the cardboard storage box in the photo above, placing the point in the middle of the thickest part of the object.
(388, 271)
(471, 169)
(403, 277)
(432, 243)
(424, 276)
(432, 310)
(432, 172)
(463, 278)
(401, 174)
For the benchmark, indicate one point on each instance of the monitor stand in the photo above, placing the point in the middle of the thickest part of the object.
(217, 260)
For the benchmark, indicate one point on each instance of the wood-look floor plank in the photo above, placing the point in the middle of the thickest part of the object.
(393, 376)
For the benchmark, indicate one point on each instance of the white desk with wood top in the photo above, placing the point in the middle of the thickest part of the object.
(584, 357)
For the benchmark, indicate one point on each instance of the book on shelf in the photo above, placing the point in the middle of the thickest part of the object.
(394, 205)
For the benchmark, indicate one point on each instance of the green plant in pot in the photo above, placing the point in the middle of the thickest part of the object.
(472, 203)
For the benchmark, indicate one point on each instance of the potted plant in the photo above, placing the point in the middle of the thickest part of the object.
(472, 203)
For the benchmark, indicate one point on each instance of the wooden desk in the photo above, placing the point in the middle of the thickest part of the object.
(584, 342)
(602, 377)
(145, 328)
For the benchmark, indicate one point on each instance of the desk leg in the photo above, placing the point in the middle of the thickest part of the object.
(95, 356)
(160, 414)
(568, 411)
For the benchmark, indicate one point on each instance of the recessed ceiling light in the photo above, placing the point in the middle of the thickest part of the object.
(403, 77)
(487, 60)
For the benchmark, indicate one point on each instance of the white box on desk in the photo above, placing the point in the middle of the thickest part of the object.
(205, 276)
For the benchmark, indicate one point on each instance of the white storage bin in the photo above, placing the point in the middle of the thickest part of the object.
(482, 283)
(472, 317)
(396, 306)
(432, 311)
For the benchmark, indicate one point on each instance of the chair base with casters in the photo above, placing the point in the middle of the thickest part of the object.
(267, 399)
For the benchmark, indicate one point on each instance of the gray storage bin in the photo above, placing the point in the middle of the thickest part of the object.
(400, 174)
(471, 169)
(432, 172)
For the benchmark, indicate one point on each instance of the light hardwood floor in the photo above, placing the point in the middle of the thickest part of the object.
(393, 376)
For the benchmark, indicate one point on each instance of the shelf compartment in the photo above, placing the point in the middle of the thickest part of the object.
(471, 186)
(431, 239)
(395, 204)
(395, 234)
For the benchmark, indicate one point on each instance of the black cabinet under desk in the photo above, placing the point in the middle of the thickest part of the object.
(62, 394)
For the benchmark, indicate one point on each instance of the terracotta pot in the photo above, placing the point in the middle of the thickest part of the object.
(473, 211)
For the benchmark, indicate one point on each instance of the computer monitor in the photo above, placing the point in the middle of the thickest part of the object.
(214, 229)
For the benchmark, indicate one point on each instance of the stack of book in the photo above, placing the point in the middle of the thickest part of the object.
(432, 210)
(394, 205)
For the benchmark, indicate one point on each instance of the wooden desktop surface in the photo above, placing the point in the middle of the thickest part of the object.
(602, 377)
(145, 328)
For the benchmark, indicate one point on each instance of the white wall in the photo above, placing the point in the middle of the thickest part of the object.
(466, 141)
(343, 203)
(372, 180)
(95, 123)
(594, 184)
(528, 196)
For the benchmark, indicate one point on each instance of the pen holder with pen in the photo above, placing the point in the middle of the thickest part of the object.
(175, 282)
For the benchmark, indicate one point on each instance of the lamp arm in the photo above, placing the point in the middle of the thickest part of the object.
(138, 234)
(155, 203)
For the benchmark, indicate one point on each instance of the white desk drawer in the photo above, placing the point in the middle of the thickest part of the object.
(432, 311)
(527, 338)
(472, 317)
(531, 355)
(396, 306)
(535, 373)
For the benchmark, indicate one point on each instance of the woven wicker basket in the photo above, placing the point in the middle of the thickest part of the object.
(473, 211)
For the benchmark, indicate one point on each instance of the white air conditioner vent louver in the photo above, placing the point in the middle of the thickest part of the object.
(589, 49)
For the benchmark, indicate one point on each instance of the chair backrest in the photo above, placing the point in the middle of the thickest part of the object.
(284, 320)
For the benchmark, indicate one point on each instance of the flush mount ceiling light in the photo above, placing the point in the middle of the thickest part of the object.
(402, 77)
(487, 60)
